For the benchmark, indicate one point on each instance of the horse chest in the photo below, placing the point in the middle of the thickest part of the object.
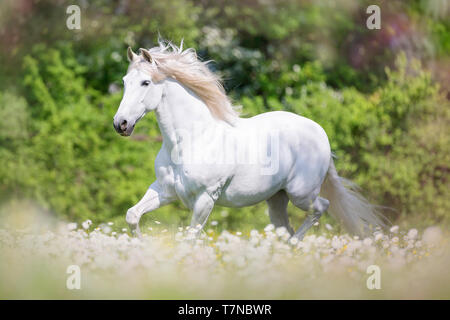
(190, 182)
(185, 187)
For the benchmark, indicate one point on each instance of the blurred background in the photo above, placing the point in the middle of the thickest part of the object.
(381, 95)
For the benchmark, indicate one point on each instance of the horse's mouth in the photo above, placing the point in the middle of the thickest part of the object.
(128, 132)
(125, 127)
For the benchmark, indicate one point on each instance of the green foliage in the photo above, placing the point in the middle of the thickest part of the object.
(412, 149)
(14, 111)
(71, 161)
(393, 142)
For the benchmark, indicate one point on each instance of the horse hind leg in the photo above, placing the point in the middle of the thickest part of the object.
(314, 212)
(278, 211)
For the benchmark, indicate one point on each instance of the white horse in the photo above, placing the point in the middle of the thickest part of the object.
(201, 160)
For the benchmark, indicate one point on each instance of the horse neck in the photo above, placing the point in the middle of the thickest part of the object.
(181, 110)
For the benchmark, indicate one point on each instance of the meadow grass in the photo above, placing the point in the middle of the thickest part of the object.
(35, 252)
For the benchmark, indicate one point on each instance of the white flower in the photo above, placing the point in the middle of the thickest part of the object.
(261, 262)
(106, 229)
(86, 224)
(320, 240)
(394, 229)
(280, 231)
(71, 226)
(336, 243)
(412, 234)
(157, 222)
(328, 227)
(289, 91)
(116, 56)
(214, 223)
(432, 235)
(135, 241)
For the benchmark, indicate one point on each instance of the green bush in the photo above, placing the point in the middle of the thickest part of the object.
(71, 160)
(394, 142)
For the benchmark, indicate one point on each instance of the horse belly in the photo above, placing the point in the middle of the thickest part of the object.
(247, 190)
(260, 179)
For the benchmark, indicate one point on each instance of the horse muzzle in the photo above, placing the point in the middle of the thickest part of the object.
(123, 126)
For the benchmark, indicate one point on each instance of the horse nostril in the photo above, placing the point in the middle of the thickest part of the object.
(123, 125)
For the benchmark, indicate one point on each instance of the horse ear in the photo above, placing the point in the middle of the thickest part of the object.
(131, 55)
(146, 55)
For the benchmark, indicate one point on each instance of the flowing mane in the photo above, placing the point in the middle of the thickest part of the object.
(169, 60)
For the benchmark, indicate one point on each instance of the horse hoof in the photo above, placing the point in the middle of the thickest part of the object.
(135, 231)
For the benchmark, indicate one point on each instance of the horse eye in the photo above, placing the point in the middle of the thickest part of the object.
(145, 83)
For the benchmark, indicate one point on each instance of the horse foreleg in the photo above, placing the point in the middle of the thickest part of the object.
(153, 199)
(201, 210)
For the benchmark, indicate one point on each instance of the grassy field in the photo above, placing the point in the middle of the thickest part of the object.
(36, 251)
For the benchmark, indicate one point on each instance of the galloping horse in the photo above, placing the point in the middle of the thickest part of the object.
(205, 155)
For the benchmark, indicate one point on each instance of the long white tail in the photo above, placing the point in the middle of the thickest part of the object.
(349, 206)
